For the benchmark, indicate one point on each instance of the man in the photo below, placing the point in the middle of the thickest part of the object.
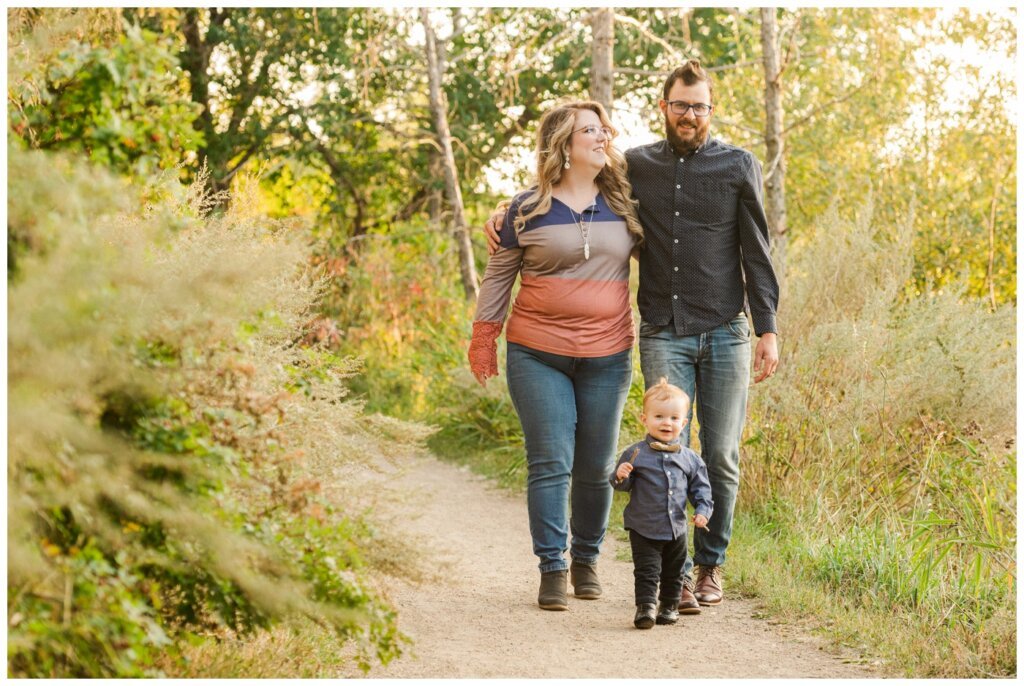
(706, 250)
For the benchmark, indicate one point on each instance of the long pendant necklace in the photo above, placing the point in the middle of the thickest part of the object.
(584, 231)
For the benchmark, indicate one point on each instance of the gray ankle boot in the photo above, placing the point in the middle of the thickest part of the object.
(584, 580)
(552, 591)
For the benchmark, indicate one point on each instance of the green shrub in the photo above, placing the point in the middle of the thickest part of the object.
(168, 438)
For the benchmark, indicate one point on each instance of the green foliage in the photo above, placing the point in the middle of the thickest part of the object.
(122, 104)
(103, 625)
(168, 438)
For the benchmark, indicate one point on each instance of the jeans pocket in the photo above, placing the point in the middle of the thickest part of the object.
(739, 327)
(648, 329)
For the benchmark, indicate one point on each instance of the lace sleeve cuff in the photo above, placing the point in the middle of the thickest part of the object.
(483, 350)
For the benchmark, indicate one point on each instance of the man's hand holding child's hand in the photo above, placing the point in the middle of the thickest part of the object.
(700, 521)
(623, 471)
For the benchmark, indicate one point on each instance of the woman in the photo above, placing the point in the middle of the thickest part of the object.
(570, 336)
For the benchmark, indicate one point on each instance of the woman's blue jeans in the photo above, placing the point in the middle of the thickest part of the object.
(570, 409)
(714, 370)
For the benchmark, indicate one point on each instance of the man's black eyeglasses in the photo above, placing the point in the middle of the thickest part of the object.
(680, 107)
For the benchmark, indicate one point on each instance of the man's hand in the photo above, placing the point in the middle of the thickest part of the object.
(491, 230)
(766, 357)
(623, 471)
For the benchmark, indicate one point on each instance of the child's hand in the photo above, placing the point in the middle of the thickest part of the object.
(623, 471)
(700, 521)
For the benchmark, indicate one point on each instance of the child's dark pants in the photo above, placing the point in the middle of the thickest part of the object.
(655, 561)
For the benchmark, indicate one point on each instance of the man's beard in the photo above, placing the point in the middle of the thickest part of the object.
(685, 147)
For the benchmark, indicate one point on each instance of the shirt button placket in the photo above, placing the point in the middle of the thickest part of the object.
(677, 206)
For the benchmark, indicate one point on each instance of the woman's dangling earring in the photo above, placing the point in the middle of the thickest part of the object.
(566, 162)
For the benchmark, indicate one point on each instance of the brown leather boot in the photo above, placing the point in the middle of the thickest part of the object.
(688, 605)
(552, 591)
(584, 580)
(709, 585)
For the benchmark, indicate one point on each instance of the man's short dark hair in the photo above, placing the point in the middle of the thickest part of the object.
(690, 73)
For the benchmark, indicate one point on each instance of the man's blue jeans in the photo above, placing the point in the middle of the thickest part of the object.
(570, 409)
(714, 370)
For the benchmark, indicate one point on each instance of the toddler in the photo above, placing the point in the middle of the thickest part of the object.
(660, 474)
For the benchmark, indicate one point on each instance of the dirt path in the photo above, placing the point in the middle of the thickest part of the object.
(477, 615)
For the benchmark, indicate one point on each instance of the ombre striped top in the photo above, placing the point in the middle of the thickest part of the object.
(566, 305)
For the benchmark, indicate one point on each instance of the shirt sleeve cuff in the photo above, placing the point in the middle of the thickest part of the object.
(764, 323)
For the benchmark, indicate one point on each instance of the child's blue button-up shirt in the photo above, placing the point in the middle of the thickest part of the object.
(659, 486)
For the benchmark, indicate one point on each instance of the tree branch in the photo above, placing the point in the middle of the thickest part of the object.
(810, 115)
(224, 180)
(734, 65)
(789, 46)
(644, 31)
(736, 125)
(248, 93)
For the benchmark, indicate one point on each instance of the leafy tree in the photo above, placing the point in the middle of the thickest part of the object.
(868, 109)
(252, 71)
(117, 99)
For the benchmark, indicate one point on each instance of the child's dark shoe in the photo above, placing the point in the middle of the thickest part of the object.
(667, 612)
(584, 580)
(552, 591)
(645, 616)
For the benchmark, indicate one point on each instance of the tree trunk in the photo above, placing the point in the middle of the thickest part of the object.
(775, 172)
(435, 201)
(439, 110)
(195, 60)
(602, 44)
(340, 177)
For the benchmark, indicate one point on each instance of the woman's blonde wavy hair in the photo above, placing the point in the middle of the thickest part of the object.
(556, 126)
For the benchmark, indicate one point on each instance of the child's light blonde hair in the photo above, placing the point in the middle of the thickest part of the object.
(663, 390)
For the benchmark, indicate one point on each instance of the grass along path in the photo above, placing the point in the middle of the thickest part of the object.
(474, 614)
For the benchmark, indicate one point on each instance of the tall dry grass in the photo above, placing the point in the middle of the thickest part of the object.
(884, 448)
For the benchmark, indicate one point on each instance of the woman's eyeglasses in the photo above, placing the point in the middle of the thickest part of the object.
(594, 130)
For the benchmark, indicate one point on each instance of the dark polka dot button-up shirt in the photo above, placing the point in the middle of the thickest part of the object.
(706, 238)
